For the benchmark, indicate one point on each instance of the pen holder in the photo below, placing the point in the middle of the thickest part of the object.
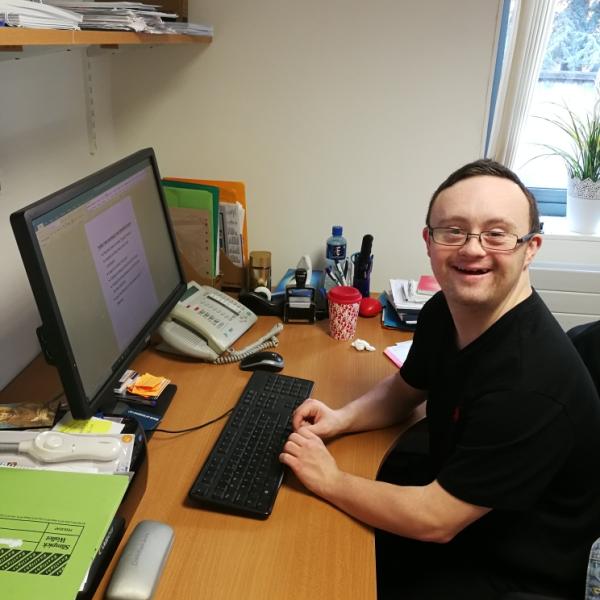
(362, 276)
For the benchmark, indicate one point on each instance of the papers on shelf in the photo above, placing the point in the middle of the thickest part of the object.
(190, 28)
(88, 14)
(37, 15)
(125, 16)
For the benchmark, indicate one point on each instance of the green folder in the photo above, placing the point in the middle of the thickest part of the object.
(51, 526)
(180, 194)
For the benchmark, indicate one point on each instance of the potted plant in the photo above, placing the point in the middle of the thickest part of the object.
(582, 161)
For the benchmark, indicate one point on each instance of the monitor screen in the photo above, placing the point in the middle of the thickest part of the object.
(102, 262)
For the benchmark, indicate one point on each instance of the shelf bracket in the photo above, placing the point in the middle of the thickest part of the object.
(90, 109)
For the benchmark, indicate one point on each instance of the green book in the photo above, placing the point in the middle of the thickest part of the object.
(51, 526)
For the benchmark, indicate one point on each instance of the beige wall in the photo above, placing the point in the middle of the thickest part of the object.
(344, 111)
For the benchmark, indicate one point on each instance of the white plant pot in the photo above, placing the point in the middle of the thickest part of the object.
(583, 205)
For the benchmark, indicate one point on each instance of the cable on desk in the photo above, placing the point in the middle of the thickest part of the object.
(196, 427)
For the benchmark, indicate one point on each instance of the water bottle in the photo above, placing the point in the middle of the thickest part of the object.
(335, 258)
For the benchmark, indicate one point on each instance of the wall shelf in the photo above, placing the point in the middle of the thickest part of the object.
(15, 39)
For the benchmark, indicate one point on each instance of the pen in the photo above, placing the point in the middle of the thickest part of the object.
(338, 268)
(332, 275)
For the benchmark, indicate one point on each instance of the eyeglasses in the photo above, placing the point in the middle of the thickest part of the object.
(490, 240)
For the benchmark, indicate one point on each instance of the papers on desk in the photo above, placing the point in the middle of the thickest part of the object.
(405, 296)
(36, 15)
(398, 353)
(402, 303)
(53, 524)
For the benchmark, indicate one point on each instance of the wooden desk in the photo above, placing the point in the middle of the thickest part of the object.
(306, 548)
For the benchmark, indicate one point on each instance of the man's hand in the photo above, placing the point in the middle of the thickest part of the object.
(318, 418)
(306, 454)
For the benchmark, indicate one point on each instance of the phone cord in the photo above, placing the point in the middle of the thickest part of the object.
(268, 341)
(235, 356)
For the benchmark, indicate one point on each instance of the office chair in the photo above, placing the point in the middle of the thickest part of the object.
(586, 338)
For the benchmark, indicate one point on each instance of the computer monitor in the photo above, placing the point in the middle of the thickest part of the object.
(102, 262)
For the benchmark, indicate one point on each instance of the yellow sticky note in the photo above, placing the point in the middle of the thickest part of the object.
(93, 425)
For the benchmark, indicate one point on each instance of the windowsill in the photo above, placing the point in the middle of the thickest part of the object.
(556, 228)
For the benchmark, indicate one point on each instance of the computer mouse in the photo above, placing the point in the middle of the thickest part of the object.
(265, 361)
(369, 307)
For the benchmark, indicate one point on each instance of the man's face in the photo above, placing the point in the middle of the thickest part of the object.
(470, 275)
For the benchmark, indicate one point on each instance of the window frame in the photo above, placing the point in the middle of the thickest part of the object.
(552, 202)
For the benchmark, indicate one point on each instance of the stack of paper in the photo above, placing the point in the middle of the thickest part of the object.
(190, 28)
(126, 16)
(36, 15)
(403, 303)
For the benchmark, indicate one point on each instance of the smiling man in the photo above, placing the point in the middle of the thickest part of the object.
(507, 498)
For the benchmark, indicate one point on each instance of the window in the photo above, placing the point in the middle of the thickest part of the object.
(568, 75)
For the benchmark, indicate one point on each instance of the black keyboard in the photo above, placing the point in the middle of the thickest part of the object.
(242, 473)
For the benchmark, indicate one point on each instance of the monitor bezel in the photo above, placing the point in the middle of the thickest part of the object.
(52, 333)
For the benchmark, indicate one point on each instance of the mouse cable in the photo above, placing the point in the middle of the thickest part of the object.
(196, 427)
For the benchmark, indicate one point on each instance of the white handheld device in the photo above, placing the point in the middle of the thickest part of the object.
(54, 446)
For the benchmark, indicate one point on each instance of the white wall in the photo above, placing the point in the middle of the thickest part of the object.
(43, 147)
(345, 112)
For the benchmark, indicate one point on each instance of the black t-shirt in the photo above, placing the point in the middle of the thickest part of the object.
(514, 423)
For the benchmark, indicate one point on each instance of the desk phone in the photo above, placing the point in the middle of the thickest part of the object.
(205, 322)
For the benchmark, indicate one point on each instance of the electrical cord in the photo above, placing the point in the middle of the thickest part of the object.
(196, 427)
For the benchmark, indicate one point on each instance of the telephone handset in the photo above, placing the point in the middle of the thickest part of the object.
(205, 322)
